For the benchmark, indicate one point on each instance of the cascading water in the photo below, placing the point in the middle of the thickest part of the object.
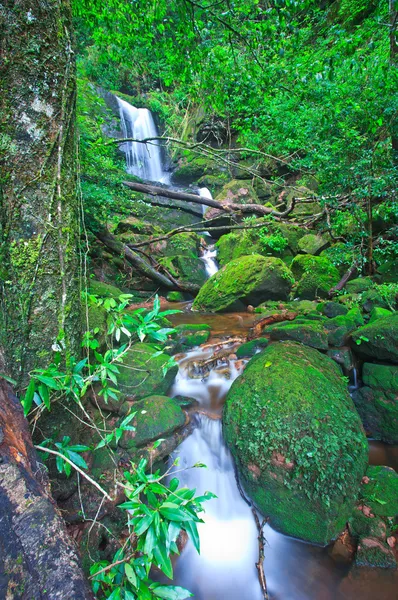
(143, 160)
(209, 258)
(225, 567)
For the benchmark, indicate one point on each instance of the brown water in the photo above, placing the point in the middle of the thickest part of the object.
(225, 570)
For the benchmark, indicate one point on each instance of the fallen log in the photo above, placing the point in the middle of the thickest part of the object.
(256, 209)
(258, 327)
(120, 249)
(350, 274)
(38, 559)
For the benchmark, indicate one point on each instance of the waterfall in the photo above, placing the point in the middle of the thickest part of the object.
(205, 193)
(209, 258)
(143, 160)
(225, 567)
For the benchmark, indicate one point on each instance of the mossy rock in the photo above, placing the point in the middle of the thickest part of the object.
(157, 417)
(333, 309)
(249, 279)
(342, 326)
(307, 333)
(378, 313)
(388, 271)
(381, 493)
(214, 183)
(315, 275)
(381, 377)
(191, 335)
(252, 347)
(187, 269)
(297, 440)
(378, 340)
(238, 192)
(379, 297)
(134, 225)
(343, 357)
(99, 288)
(378, 410)
(188, 173)
(97, 319)
(339, 256)
(141, 373)
(359, 285)
(175, 297)
(313, 243)
(182, 244)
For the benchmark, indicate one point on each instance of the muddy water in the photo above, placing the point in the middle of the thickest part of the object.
(225, 568)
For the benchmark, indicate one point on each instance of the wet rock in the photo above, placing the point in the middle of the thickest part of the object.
(343, 356)
(313, 243)
(292, 403)
(141, 373)
(191, 335)
(342, 326)
(378, 340)
(343, 549)
(371, 552)
(252, 347)
(308, 333)
(381, 493)
(157, 417)
(379, 412)
(249, 279)
(333, 309)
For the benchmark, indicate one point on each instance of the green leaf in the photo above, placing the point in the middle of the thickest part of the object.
(49, 381)
(192, 531)
(143, 525)
(174, 514)
(7, 378)
(28, 397)
(130, 574)
(150, 541)
(171, 592)
(163, 561)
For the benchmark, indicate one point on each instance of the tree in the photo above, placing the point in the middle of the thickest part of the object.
(39, 207)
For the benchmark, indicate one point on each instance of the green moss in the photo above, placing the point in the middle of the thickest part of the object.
(378, 339)
(189, 336)
(382, 377)
(358, 285)
(185, 268)
(313, 243)
(333, 309)
(297, 439)
(175, 297)
(99, 288)
(252, 347)
(141, 373)
(315, 275)
(157, 417)
(250, 279)
(307, 333)
(378, 312)
(381, 493)
(340, 327)
(379, 412)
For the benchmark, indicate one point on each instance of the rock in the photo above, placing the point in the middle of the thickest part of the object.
(371, 552)
(252, 347)
(175, 297)
(378, 313)
(141, 373)
(249, 279)
(340, 327)
(297, 440)
(315, 275)
(313, 244)
(185, 268)
(359, 285)
(343, 356)
(379, 413)
(334, 309)
(189, 336)
(381, 493)
(381, 377)
(238, 192)
(185, 401)
(378, 340)
(134, 225)
(157, 417)
(343, 549)
(373, 298)
(307, 333)
(99, 288)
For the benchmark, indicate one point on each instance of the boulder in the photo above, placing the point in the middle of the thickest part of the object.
(297, 440)
(378, 340)
(333, 309)
(238, 192)
(340, 327)
(378, 313)
(185, 268)
(343, 356)
(141, 373)
(99, 288)
(191, 335)
(307, 333)
(359, 285)
(249, 279)
(313, 243)
(252, 347)
(157, 417)
(315, 275)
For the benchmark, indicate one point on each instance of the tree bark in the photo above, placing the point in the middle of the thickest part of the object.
(256, 209)
(37, 557)
(120, 249)
(39, 208)
(393, 6)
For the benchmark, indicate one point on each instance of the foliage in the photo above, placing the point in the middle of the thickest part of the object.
(156, 513)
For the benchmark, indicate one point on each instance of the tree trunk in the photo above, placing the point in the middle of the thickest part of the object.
(37, 557)
(39, 209)
(256, 209)
(393, 4)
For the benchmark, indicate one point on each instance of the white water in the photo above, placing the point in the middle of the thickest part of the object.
(143, 160)
(209, 258)
(205, 193)
(225, 568)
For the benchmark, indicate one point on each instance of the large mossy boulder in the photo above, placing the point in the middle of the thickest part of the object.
(157, 417)
(378, 340)
(185, 268)
(313, 243)
(315, 276)
(309, 333)
(249, 279)
(141, 373)
(297, 440)
(340, 327)
(238, 192)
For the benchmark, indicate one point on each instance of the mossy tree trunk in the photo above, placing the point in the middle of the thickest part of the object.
(39, 208)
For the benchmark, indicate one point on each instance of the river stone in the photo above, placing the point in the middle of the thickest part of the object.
(141, 373)
(297, 440)
(252, 347)
(157, 417)
(334, 309)
(249, 279)
(191, 335)
(313, 243)
(308, 333)
(340, 327)
(378, 340)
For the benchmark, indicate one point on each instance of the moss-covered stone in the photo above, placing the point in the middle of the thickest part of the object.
(238, 192)
(307, 333)
(343, 356)
(185, 268)
(297, 440)
(99, 288)
(382, 377)
(340, 327)
(359, 285)
(378, 313)
(249, 279)
(379, 412)
(175, 297)
(252, 347)
(378, 339)
(333, 309)
(315, 275)
(141, 373)
(157, 417)
(381, 493)
(313, 243)
(380, 296)
(191, 335)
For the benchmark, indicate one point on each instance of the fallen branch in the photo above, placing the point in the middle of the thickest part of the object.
(256, 209)
(258, 327)
(350, 274)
